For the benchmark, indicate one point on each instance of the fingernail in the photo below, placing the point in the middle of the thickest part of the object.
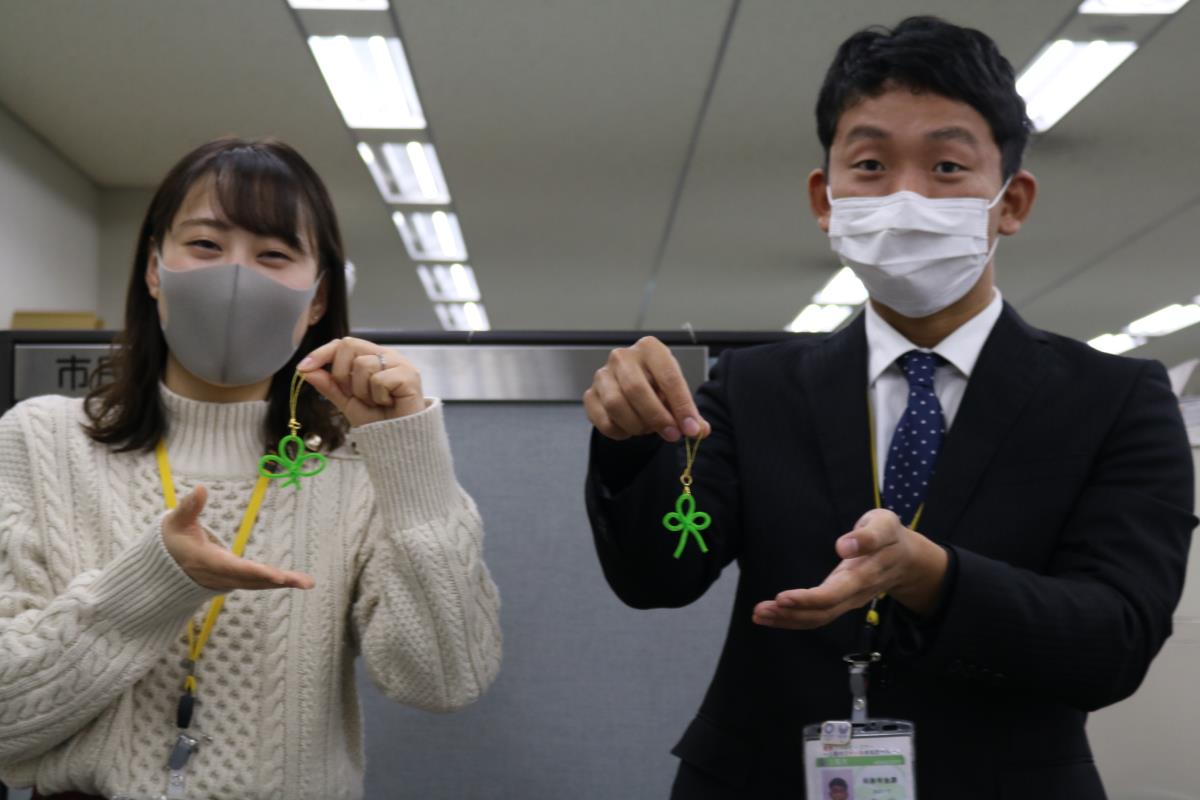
(305, 364)
(849, 546)
(691, 427)
(671, 433)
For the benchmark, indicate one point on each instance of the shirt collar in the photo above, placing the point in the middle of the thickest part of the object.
(961, 348)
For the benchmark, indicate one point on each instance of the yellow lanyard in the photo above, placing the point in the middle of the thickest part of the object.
(196, 643)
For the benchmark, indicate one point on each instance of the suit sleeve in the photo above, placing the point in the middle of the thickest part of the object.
(1085, 632)
(631, 485)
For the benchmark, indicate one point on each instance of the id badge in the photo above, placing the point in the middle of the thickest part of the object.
(871, 760)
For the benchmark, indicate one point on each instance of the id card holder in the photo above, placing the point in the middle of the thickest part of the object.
(866, 760)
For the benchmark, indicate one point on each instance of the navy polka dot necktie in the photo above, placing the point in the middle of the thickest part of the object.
(918, 436)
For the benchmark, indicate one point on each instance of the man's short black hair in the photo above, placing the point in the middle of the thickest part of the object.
(838, 782)
(927, 54)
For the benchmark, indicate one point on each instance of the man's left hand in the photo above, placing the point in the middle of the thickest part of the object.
(879, 556)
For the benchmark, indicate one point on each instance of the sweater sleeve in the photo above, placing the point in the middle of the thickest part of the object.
(426, 613)
(70, 644)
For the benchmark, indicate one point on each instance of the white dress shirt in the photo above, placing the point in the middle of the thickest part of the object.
(888, 387)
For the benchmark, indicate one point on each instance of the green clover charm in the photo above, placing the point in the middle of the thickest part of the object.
(290, 467)
(687, 521)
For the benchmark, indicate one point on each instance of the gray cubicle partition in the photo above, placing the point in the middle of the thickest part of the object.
(592, 694)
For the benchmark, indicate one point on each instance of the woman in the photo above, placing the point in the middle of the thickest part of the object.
(106, 687)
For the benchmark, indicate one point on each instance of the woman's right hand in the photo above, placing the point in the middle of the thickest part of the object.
(209, 563)
(642, 390)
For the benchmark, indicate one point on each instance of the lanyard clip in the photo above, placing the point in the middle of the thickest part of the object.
(860, 664)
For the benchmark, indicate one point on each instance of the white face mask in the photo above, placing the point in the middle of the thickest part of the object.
(231, 325)
(915, 254)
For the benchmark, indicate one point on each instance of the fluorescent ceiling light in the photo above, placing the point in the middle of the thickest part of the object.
(844, 288)
(462, 316)
(1131, 6)
(449, 283)
(476, 316)
(1064, 73)
(339, 5)
(1115, 342)
(406, 173)
(369, 80)
(431, 236)
(449, 236)
(819, 319)
(1165, 320)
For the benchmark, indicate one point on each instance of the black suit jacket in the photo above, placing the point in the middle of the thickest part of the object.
(1063, 493)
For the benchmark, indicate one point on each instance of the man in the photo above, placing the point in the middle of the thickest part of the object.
(1050, 484)
(838, 790)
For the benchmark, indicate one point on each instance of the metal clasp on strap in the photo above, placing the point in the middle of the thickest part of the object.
(860, 664)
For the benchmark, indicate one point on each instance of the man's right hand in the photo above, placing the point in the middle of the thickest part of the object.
(642, 390)
(209, 563)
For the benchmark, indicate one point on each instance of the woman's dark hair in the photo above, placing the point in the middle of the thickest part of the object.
(927, 54)
(267, 188)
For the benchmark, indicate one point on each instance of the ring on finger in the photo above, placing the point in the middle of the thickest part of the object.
(382, 362)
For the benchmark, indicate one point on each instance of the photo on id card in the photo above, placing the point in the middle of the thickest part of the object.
(870, 760)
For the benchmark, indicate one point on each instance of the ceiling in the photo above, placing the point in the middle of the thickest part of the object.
(563, 128)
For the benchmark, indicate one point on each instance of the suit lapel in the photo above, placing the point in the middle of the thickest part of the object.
(833, 379)
(1010, 366)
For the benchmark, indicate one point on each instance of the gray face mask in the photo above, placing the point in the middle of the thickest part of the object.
(231, 325)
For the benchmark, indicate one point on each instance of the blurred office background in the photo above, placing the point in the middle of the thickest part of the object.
(525, 165)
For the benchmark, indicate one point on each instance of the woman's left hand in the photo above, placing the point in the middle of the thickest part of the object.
(366, 382)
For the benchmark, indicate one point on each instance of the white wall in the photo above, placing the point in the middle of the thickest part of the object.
(1146, 746)
(49, 231)
(121, 212)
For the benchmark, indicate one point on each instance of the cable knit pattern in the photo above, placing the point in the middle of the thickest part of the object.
(458, 597)
(93, 607)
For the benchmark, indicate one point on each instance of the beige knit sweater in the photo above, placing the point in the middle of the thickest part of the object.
(93, 608)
